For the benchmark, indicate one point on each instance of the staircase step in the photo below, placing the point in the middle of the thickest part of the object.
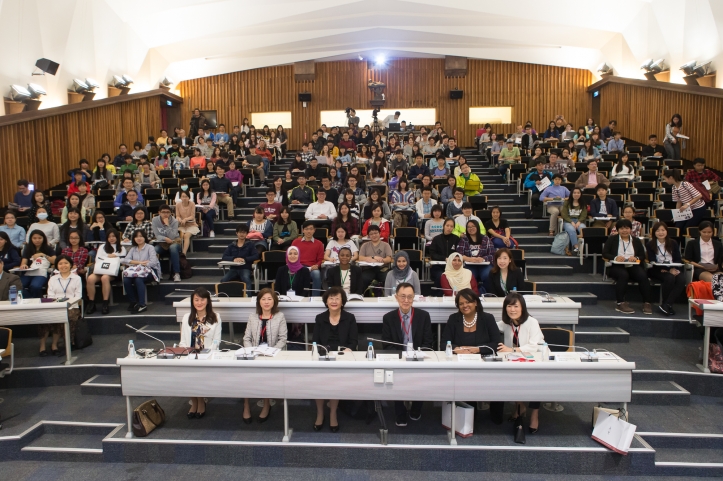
(548, 270)
(658, 393)
(108, 385)
(168, 332)
(602, 334)
(584, 298)
(81, 442)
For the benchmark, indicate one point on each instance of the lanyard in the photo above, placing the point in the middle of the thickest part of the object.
(625, 248)
(291, 280)
(65, 289)
(343, 277)
(663, 253)
(411, 318)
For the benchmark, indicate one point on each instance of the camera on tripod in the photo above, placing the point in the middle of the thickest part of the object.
(375, 113)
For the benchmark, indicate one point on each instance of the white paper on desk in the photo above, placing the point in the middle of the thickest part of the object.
(567, 357)
(602, 356)
(469, 357)
(235, 184)
(328, 263)
(603, 218)
(706, 184)
(437, 263)
(532, 298)
(268, 351)
(544, 184)
(680, 215)
(373, 264)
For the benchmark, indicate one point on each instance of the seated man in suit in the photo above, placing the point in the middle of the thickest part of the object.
(8, 279)
(407, 325)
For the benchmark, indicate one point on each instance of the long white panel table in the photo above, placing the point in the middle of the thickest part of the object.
(712, 317)
(294, 375)
(562, 311)
(32, 311)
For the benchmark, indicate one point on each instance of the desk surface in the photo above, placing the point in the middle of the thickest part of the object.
(371, 310)
(293, 375)
(712, 311)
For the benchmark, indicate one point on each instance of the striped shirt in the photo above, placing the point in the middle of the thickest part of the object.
(685, 193)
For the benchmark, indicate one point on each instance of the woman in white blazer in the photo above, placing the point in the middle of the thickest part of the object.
(199, 330)
(265, 327)
(522, 334)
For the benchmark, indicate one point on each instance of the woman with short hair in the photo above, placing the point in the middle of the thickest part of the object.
(335, 329)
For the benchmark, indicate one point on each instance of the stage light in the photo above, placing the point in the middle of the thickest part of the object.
(658, 66)
(361, 58)
(646, 65)
(19, 93)
(36, 90)
(79, 86)
(92, 84)
(166, 82)
(605, 69)
(702, 70)
(380, 60)
(688, 68)
(127, 79)
(652, 68)
(118, 82)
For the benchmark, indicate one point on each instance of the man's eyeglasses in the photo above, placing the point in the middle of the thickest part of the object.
(405, 298)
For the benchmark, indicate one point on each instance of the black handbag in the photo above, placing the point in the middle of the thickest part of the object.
(83, 338)
(519, 429)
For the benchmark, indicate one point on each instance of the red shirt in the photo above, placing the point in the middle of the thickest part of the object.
(349, 145)
(72, 189)
(271, 209)
(310, 253)
(265, 153)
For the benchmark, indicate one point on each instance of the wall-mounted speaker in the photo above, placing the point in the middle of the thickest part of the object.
(47, 66)
(456, 94)
(305, 97)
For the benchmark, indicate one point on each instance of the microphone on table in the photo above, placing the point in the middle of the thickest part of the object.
(494, 357)
(409, 346)
(589, 358)
(325, 358)
(548, 297)
(244, 356)
(162, 354)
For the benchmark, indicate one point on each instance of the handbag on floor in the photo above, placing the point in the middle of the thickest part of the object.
(613, 433)
(562, 240)
(464, 418)
(147, 417)
(618, 413)
(715, 353)
(81, 335)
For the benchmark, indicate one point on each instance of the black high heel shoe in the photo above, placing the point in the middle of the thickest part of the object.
(334, 429)
(200, 415)
(263, 420)
(533, 430)
(317, 427)
(191, 415)
(247, 420)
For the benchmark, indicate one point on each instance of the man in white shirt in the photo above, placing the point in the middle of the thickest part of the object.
(321, 209)
(391, 119)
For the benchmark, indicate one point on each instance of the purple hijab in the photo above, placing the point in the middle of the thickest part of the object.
(294, 267)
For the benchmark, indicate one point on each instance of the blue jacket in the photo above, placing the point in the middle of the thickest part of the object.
(610, 205)
(533, 177)
(247, 251)
(119, 199)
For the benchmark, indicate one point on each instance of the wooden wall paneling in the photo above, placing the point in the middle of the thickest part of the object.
(44, 149)
(642, 111)
(535, 92)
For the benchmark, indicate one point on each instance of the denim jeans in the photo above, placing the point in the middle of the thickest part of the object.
(136, 288)
(209, 217)
(174, 252)
(572, 232)
(316, 282)
(481, 274)
(237, 274)
(33, 286)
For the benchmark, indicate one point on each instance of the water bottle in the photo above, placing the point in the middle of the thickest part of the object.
(215, 345)
(131, 350)
(545, 351)
(514, 288)
(314, 352)
(448, 352)
(13, 295)
(370, 352)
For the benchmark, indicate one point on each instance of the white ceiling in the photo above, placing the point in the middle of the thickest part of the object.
(185, 39)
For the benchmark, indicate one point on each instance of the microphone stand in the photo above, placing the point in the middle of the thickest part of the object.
(244, 356)
(589, 358)
(408, 358)
(325, 358)
(162, 354)
(547, 298)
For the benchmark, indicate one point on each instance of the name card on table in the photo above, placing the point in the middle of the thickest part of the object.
(387, 357)
(469, 357)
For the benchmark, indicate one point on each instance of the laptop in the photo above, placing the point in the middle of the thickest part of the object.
(395, 127)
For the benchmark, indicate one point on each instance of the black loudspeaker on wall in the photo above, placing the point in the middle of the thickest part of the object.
(305, 97)
(47, 66)
(456, 94)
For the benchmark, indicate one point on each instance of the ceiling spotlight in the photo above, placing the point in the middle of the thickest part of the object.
(36, 90)
(380, 60)
(652, 68)
(127, 80)
(166, 82)
(79, 86)
(702, 70)
(694, 71)
(361, 58)
(118, 82)
(605, 69)
(658, 66)
(688, 68)
(19, 93)
(92, 84)
(646, 65)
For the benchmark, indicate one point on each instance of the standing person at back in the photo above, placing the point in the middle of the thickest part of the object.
(672, 142)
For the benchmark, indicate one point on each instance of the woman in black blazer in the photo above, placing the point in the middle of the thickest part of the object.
(664, 250)
(623, 247)
(505, 277)
(336, 330)
(293, 275)
(345, 275)
(471, 327)
(703, 270)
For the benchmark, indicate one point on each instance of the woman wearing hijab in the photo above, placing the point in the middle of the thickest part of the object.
(402, 272)
(456, 277)
(293, 276)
